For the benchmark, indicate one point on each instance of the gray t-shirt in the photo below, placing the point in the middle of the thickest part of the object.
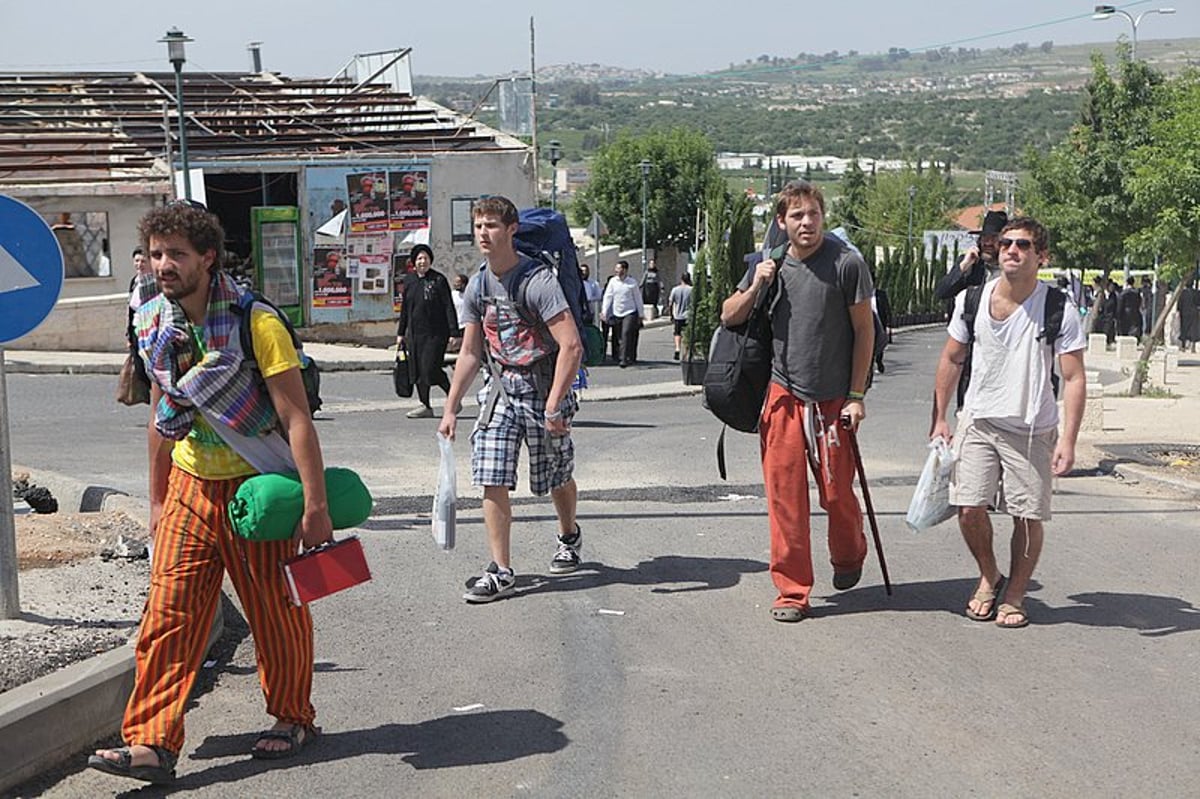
(814, 340)
(681, 301)
(512, 343)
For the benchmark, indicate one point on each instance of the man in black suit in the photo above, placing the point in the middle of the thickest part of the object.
(975, 267)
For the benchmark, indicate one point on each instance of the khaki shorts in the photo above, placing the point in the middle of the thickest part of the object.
(990, 458)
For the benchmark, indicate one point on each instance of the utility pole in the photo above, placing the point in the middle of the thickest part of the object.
(537, 186)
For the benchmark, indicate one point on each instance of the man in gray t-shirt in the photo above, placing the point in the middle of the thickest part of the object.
(516, 323)
(681, 308)
(819, 299)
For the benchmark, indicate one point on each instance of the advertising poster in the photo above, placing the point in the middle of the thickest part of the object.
(368, 201)
(331, 284)
(409, 198)
(371, 257)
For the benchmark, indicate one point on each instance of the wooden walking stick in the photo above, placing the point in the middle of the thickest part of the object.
(862, 481)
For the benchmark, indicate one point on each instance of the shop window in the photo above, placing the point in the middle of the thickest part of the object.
(83, 239)
(461, 219)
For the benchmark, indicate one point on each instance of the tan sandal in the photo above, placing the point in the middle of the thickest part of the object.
(989, 596)
(1007, 611)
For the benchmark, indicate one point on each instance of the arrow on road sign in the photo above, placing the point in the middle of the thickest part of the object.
(13, 276)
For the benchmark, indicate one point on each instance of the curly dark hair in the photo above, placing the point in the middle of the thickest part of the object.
(199, 226)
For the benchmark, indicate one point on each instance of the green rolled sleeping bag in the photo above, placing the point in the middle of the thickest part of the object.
(267, 507)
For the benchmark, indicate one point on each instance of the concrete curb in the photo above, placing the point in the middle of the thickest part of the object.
(32, 368)
(1135, 473)
(52, 718)
(76, 496)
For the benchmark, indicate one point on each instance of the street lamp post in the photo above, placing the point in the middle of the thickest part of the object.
(645, 167)
(1106, 12)
(175, 41)
(555, 153)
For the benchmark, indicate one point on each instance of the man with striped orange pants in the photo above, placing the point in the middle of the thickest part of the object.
(216, 421)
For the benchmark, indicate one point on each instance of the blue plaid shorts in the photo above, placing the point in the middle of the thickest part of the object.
(496, 443)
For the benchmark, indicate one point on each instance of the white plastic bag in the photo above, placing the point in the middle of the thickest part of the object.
(445, 499)
(931, 501)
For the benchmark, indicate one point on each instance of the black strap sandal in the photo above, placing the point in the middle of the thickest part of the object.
(161, 774)
(296, 736)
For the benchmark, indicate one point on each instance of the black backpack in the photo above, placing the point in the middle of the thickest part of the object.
(739, 362)
(309, 371)
(1052, 319)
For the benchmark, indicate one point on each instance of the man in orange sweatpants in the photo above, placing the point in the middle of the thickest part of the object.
(215, 422)
(820, 308)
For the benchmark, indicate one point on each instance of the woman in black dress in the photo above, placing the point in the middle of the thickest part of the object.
(427, 322)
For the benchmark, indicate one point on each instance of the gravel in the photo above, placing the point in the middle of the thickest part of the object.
(74, 604)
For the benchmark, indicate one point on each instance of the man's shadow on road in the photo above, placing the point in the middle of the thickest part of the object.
(1150, 615)
(467, 739)
(704, 574)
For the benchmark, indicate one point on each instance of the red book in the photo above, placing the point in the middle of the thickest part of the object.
(326, 570)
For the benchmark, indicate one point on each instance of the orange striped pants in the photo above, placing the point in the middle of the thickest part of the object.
(193, 546)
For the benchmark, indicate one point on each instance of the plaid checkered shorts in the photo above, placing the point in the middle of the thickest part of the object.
(496, 443)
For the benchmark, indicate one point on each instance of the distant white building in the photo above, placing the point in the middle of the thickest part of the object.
(799, 162)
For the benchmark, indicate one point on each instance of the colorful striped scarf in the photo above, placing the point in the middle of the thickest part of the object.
(219, 381)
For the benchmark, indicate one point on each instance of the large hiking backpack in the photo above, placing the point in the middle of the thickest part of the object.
(543, 235)
(309, 371)
(1052, 319)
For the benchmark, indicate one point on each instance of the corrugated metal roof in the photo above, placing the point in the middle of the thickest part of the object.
(112, 127)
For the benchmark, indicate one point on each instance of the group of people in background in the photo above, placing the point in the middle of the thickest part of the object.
(1134, 310)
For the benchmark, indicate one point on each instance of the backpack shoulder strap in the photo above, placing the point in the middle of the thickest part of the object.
(971, 310)
(1056, 304)
(245, 306)
(528, 270)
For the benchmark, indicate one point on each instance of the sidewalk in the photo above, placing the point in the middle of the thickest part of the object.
(1132, 426)
(330, 357)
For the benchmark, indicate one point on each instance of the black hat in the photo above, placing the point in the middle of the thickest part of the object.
(420, 248)
(993, 223)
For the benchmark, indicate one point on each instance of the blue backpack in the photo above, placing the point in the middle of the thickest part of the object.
(544, 237)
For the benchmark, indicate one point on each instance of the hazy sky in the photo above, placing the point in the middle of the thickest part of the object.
(307, 38)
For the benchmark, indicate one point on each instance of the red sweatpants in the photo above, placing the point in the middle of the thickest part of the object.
(781, 435)
(193, 546)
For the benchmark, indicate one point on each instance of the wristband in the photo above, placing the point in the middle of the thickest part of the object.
(856, 395)
(553, 416)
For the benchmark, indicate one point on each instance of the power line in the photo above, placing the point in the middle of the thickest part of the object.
(926, 48)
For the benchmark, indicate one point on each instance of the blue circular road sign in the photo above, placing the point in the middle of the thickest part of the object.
(31, 269)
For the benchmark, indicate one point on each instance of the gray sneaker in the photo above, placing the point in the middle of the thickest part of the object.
(421, 412)
(566, 558)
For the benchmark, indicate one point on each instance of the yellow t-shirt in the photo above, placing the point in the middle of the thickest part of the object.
(203, 452)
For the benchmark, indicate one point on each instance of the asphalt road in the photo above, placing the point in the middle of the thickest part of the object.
(656, 671)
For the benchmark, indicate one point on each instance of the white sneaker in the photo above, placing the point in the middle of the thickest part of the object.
(422, 412)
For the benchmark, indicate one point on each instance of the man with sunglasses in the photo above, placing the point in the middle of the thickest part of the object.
(1007, 436)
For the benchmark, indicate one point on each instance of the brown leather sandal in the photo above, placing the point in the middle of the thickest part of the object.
(990, 597)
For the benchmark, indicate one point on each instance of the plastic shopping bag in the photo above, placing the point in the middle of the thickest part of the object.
(445, 499)
(931, 501)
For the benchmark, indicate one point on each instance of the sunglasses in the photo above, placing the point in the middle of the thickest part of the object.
(1022, 244)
